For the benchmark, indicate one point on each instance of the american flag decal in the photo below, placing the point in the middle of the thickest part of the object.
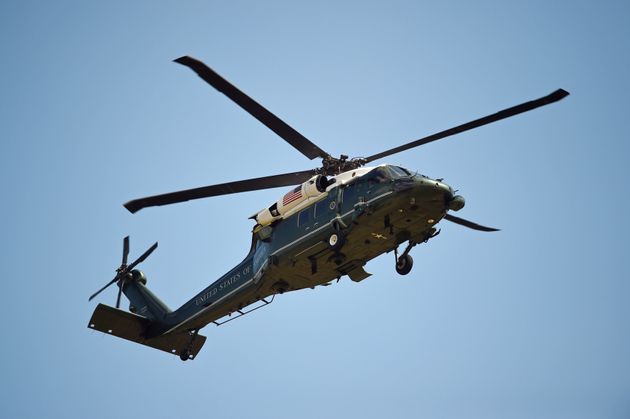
(294, 195)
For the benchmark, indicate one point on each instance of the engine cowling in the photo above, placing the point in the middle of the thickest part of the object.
(312, 189)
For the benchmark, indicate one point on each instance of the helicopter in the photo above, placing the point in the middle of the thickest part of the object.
(335, 219)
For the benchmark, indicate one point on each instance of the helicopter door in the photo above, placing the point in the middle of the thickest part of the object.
(317, 215)
(305, 220)
(325, 210)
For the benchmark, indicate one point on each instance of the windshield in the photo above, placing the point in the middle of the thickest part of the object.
(399, 171)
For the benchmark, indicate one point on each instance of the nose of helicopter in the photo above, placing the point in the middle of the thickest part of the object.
(438, 192)
(435, 187)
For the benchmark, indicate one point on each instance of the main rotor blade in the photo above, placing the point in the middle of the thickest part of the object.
(142, 257)
(286, 179)
(103, 289)
(468, 224)
(125, 250)
(505, 113)
(290, 135)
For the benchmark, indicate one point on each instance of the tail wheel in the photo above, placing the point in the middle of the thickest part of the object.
(336, 241)
(184, 355)
(404, 264)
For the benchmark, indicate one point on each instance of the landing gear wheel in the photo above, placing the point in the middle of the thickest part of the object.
(184, 355)
(404, 264)
(335, 241)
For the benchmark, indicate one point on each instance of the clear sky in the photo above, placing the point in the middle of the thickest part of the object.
(529, 322)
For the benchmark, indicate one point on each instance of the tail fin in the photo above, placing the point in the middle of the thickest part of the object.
(142, 300)
(146, 322)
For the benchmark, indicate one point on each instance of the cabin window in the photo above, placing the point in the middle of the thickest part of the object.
(348, 194)
(322, 208)
(304, 218)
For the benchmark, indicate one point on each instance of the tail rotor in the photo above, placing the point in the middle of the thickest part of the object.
(122, 273)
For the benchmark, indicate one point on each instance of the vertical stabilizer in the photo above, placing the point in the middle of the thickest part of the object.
(142, 301)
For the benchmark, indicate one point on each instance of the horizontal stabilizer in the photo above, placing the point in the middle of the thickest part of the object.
(129, 326)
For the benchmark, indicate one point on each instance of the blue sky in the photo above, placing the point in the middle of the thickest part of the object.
(528, 322)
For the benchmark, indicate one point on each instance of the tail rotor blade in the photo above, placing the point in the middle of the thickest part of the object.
(468, 224)
(142, 257)
(102, 289)
(119, 293)
(125, 250)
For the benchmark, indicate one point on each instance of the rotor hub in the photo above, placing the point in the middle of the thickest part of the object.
(332, 166)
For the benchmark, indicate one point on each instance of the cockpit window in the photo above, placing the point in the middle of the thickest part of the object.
(399, 171)
(377, 176)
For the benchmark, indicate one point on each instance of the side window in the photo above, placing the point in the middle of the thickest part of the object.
(304, 218)
(350, 196)
(322, 209)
